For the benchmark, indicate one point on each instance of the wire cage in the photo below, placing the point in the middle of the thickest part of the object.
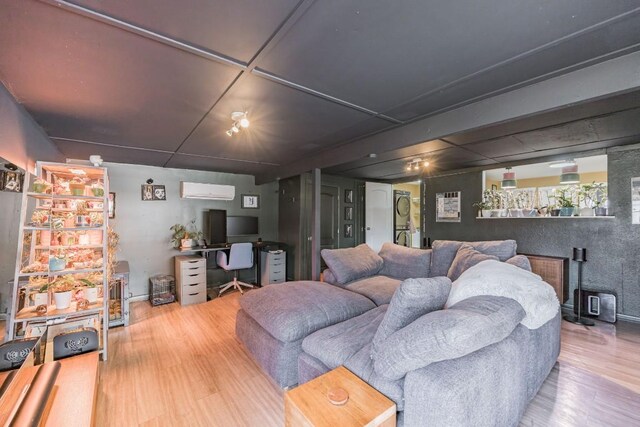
(162, 289)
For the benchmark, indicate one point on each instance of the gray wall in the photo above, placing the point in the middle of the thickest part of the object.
(144, 226)
(612, 244)
(22, 142)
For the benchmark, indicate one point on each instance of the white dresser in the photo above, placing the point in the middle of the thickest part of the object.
(274, 267)
(191, 279)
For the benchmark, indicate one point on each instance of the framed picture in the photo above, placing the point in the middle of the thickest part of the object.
(147, 192)
(348, 196)
(12, 181)
(159, 192)
(348, 213)
(348, 230)
(112, 205)
(250, 201)
(448, 206)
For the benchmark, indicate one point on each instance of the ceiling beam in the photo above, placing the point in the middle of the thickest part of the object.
(612, 77)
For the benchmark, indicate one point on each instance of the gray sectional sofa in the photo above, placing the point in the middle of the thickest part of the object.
(382, 316)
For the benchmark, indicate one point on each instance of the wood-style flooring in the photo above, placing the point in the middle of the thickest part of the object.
(176, 366)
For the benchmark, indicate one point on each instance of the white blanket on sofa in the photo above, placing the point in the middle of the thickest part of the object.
(497, 278)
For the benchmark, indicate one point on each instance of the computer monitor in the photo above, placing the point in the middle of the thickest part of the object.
(242, 225)
(215, 226)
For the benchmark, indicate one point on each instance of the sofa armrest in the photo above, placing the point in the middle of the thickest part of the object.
(484, 388)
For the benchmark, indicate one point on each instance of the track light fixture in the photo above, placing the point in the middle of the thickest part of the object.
(416, 164)
(240, 121)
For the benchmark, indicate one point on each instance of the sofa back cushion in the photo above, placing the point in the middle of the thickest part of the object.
(520, 261)
(466, 257)
(444, 251)
(413, 299)
(351, 264)
(402, 263)
(466, 327)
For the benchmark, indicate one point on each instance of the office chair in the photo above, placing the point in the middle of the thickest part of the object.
(240, 258)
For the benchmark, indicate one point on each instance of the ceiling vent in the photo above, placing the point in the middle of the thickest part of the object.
(194, 190)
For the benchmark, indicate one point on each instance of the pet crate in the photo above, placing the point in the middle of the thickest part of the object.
(119, 296)
(162, 289)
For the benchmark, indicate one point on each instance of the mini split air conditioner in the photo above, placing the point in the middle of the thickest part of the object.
(194, 190)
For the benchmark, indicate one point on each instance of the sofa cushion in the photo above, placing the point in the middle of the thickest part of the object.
(378, 289)
(520, 261)
(444, 251)
(401, 262)
(448, 334)
(361, 364)
(335, 344)
(293, 310)
(414, 298)
(466, 257)
(328, 277)
(351, 264)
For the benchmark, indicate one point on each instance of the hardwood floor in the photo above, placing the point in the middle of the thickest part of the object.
(177, 366)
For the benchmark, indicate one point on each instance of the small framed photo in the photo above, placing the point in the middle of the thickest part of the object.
(112, 205)
(147, 192)
(159, 192)
(348, 231)
(12, 181)
(348, 213)
(250, 201)
(348, 196)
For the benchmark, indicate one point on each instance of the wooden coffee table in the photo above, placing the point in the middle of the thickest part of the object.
(308, 405)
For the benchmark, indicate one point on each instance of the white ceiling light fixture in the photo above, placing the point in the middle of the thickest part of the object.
(509, 180)
(570, 175)
(416, 164)
(562, 164)
(240, 121)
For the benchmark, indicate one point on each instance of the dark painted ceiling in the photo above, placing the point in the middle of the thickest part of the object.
(155, 81)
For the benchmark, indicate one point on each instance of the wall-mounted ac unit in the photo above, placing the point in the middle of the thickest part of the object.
(194, 190)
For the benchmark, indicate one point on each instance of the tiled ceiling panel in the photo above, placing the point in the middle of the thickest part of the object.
(499, 147)
(77, 150)
(380, 54)
(236, 29)
(580, 132)
(85, 80)
(285, 124)
(618, 125)
(183, 161)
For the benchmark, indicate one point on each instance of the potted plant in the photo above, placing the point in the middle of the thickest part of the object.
(63, 291)
(41, 294)
(90, 290)
(598, 196)
(565, 201)
(184, 236)
(76, 185)
(57, 261)
(40, 186)
(97, 189)
(482, 209)
(82, 214)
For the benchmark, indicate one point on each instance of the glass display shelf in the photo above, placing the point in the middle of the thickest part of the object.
(49, 208)
(49, 228)
(54, 247)
(45, 196)
(29, 313)
(62, 272)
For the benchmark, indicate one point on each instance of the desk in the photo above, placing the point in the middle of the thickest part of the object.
(257, 246)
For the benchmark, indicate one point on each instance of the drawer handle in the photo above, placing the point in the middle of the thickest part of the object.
(192, 295)
(276, 272)
(194, 275)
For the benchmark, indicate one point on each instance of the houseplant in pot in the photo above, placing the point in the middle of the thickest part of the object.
(77, 185)
(97, 189)
(41, 186)
(63, 291)
(482, 209)
(90, 290)
(564, 197)
(598, 196)
(184, 236)
(40, 293)
(57, 260)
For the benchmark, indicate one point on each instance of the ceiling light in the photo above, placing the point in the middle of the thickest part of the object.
(416, 164)
(229, 132)
(509, 180)
(562, 163)
(235, 128)
(240, 120)
(244, 122)
(570, 175)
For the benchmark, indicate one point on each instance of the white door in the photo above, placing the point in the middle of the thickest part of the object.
(378, 217)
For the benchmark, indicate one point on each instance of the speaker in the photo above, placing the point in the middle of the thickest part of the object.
(597, 305)
(74, 342)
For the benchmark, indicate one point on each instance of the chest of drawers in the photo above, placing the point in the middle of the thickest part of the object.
(191, 279)
(274, 267)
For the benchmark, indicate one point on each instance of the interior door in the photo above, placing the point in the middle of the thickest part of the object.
(378, 217)
(329, 219)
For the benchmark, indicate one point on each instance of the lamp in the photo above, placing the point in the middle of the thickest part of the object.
(415, 164)
(570, 175)
(509, 180)
(579, 256)
(562, 163)
(240, 121)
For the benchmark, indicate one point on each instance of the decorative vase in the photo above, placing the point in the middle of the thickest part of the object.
(57, 264)
(186, 243)
(62, 299)
(77, 189)
(586, 212)
(494, 213)
(515, 213)
(45, 238)
(83, 239)
(555, 212)
(566, 211)
(40, 298)
(601, 211)
(91, 294)
(503, 213)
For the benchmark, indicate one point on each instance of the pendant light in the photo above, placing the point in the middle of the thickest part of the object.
(570, 175)
(509, 180)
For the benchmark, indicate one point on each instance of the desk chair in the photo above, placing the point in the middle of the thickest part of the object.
(239, 258)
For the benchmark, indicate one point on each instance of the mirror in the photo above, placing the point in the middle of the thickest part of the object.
(569, 187)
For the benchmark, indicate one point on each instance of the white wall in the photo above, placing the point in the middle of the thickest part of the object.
(144, 226)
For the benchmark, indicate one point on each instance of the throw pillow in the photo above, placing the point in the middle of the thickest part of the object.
(466, 257)
(351, 264)
(444, 251)
(520, 261)
(401, 262)
(413, 299)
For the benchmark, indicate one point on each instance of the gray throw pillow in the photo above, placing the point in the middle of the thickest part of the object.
(413, 299)
(401, 262)
(466, 327)
(520, 261)
(444, 251)
(466, 257)
(351, 264)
